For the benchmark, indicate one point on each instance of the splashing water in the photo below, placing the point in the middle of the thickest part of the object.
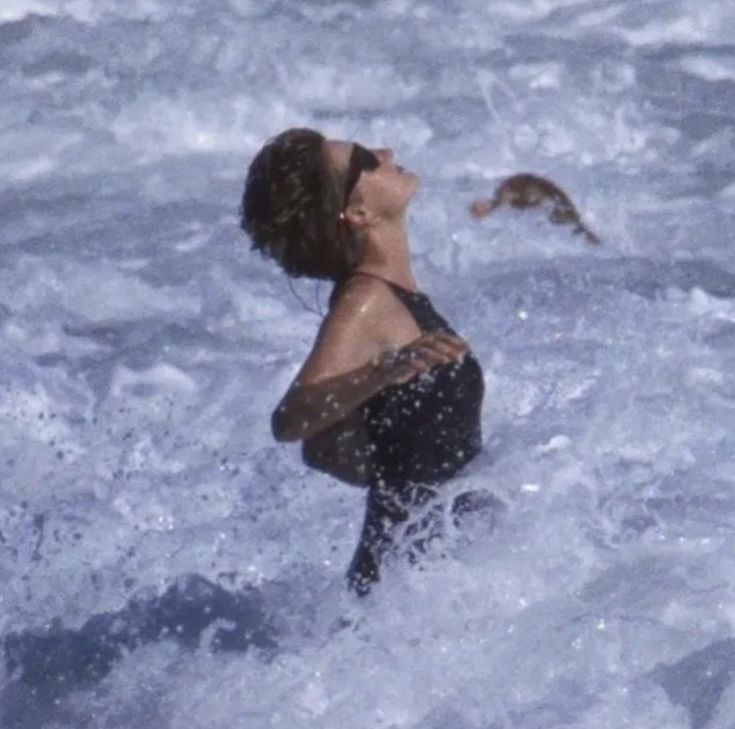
(145, 346)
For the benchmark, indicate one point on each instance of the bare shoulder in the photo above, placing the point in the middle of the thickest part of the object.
(353, 331)
(363, 301)
(371, 304)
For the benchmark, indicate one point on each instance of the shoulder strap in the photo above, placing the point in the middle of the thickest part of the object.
(419, 306)
(396, 288)
(417, 303)
(392, 284)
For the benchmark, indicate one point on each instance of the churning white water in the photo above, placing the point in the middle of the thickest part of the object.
(144, 346)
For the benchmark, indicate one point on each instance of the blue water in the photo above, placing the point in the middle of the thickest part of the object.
(144, 347)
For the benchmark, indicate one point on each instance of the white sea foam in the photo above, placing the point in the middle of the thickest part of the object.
(145, 347)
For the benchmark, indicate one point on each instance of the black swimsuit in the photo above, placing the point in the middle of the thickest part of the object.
(420, 434)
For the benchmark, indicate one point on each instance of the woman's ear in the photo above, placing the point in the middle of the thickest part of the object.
(357, 216)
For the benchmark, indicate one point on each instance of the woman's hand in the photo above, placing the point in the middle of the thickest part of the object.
(310, 408)
(428, 351)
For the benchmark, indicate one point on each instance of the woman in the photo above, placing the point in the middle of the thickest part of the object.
(386, 375)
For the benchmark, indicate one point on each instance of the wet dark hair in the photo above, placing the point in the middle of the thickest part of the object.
(291, 208)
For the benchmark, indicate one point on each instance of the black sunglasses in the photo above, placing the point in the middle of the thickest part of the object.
(361, 160)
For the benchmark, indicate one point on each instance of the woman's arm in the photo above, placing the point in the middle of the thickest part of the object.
(351, 362)
(340, 451)
(307, 409)
(310, 408)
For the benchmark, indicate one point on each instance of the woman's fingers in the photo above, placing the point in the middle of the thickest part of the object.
(444, 344)
(428, 351)
(431, 355)
(437, 348)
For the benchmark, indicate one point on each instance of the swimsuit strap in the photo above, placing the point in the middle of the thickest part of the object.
(418, 304)
(390, 283)
(401, 291)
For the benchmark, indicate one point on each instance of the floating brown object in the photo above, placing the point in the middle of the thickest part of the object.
(525, 191)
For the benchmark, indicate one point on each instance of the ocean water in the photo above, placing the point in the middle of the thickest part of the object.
(164, 564)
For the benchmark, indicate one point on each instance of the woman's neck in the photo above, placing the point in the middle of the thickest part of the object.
(387, 255)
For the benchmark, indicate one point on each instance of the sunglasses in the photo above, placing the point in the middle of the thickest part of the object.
(361, 160)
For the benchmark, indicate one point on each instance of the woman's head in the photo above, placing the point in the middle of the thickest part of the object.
(290, 207)
(308, 200)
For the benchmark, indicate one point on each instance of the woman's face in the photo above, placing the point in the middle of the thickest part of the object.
(385, 191)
